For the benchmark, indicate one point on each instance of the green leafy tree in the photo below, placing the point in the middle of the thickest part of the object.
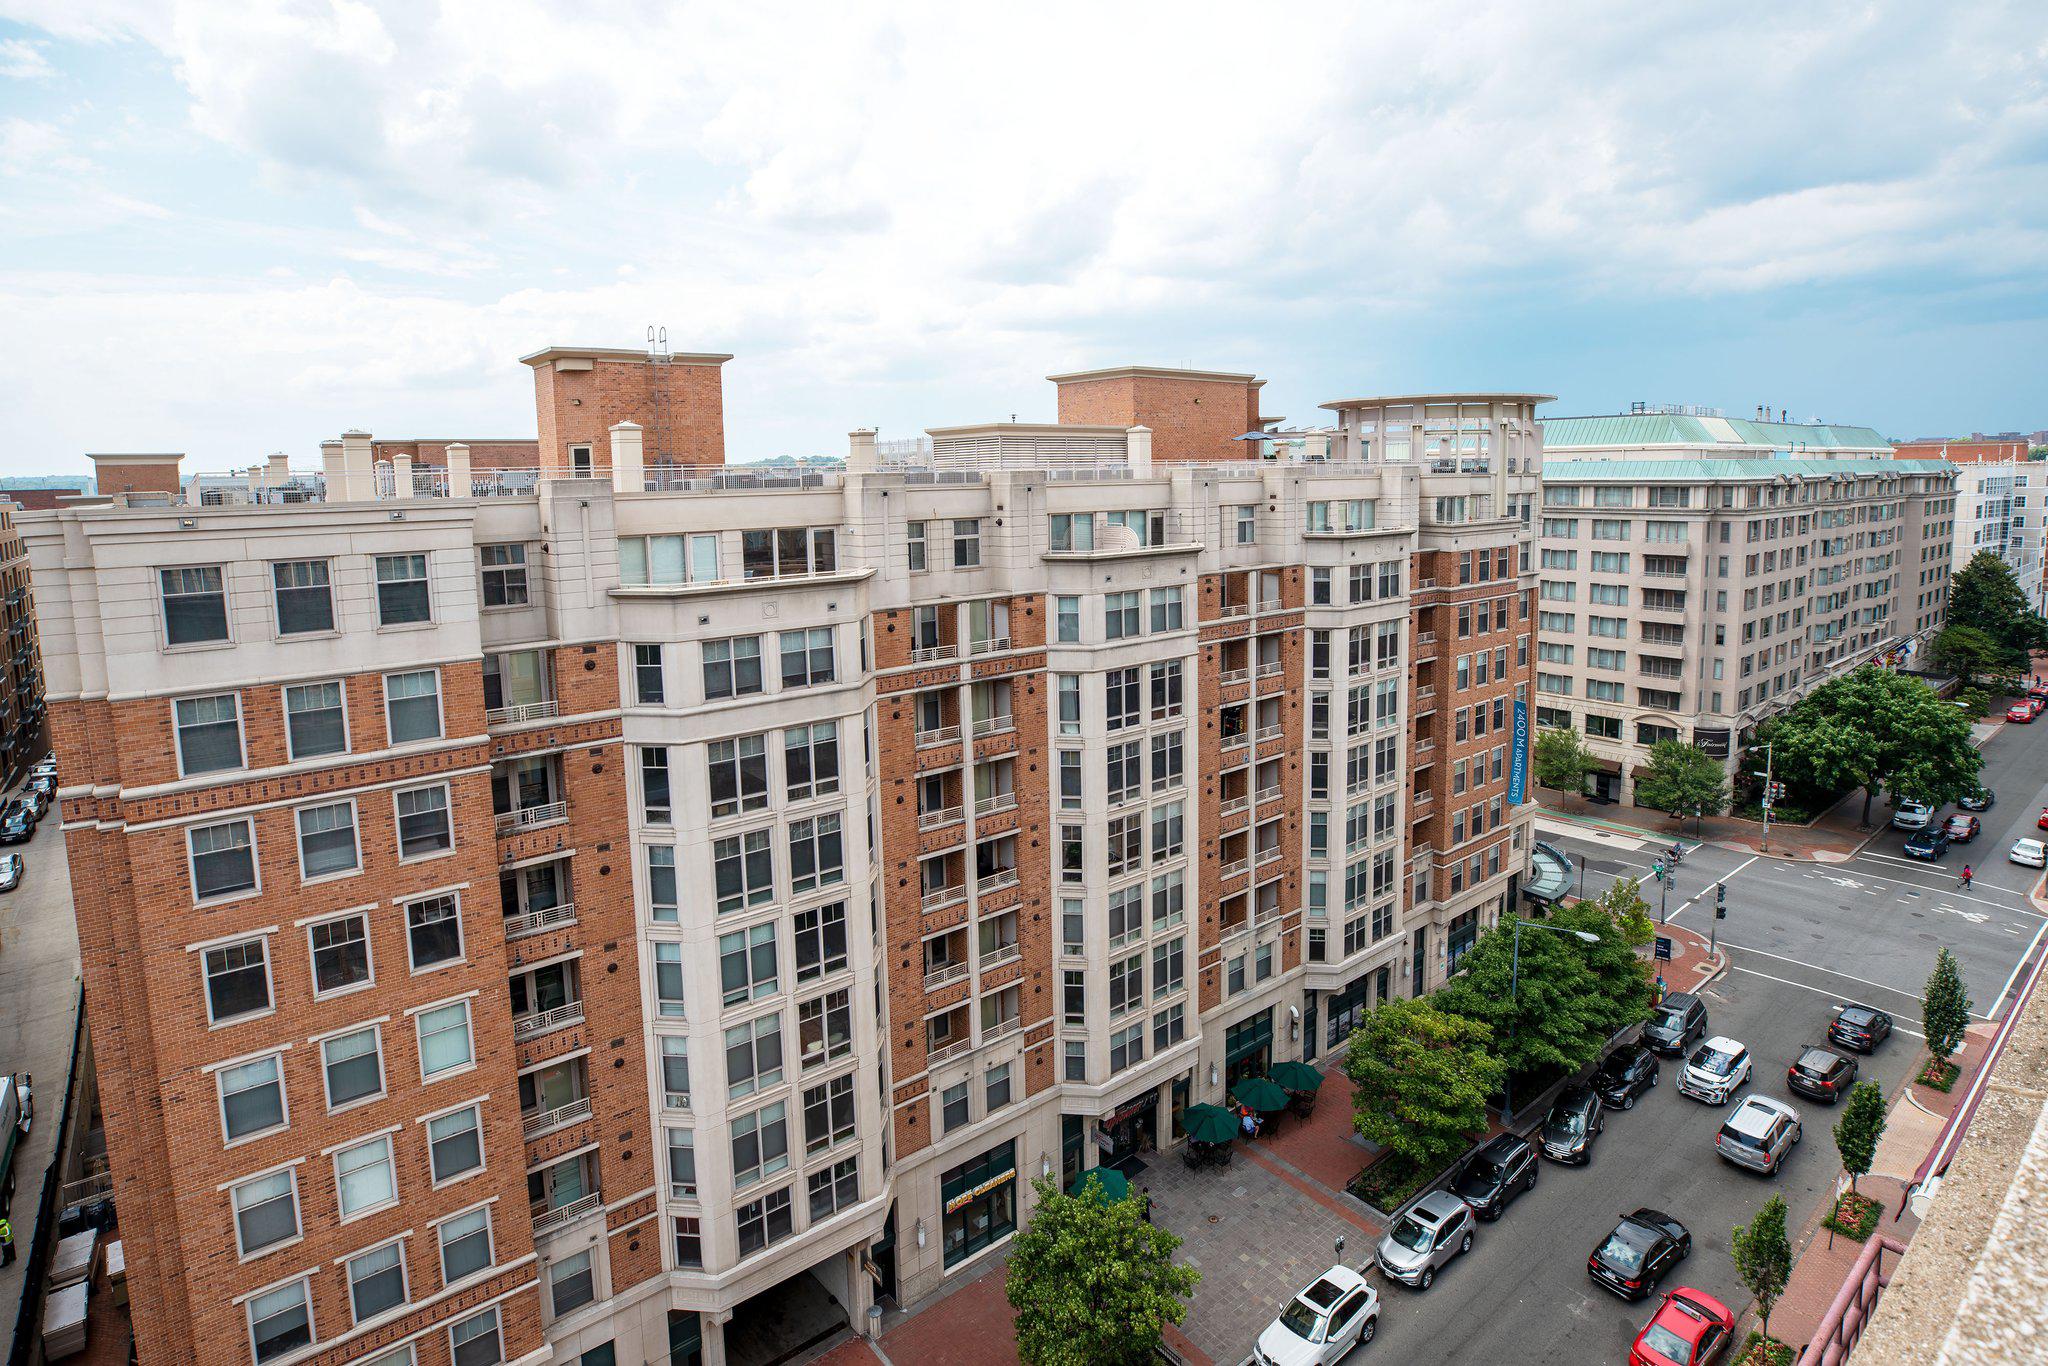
(1546, 1014)
(1970, 654)
(1680, 779)
(1880, 731)
(1986, 596)
(1421, 1079)
(1624, 980)
(1092, 1281)
(1945, 1009)
(1763, 1257)
(1562, 761)
(1858, 1130)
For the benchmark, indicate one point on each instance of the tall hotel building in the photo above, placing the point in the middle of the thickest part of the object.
(1700, 573)
(623, 908)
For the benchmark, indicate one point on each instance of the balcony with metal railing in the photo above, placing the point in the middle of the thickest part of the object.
(1233, 676)
(1000, 1028)
(989, 646)
(945, 815)
(527, 817)
(939, 897)
(943, 735)
(994, 725)
(946, 1052)
(533, 922)
(539, 1022)
(1002, 879)
(518, 715)
(1272, 731)
(997, 957)
(994, 803)
(944, 976)
(933, 654)
(548, 1218)
(1236, 869)
(543, 1121)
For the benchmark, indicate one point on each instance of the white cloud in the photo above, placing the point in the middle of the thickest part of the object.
(23, 60)
(926, 204)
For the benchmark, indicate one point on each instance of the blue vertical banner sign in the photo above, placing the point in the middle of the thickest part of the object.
(1518, 767)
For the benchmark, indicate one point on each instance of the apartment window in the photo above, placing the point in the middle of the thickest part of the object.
(1169, 967)
(444, 1039)
(280, 1322)
(807, 657)
(1168, 760)
(195, 605)
(738, 775)
(1168, 608)
(828, 1114)
(1127, 1047)
(817, 856)
(824, 1028)
(1166, 691)
(915, 547)
(1168, 899)
(834, 1189)
(412, 705)
(504, 570)
(689, 1242)
(760, 1144)
(1120, 618)
(682, 1165)
(341, 953)
(746, 964)
(402, 595)
(364, 1177)
(251, 1097)
(810, 760)
(1246, 518)
(423, 826)
(648, 686)
(655, 792)
(743, 870)
(1125, 771)
(476, 1341)
(572, 1283)
(455, 1144)
(209, 733)
(663, 559)
(787, 551)
(966, 543)
(327, 840)
(314, 720)
(1126, 843)
(465, 1244)
(266, 1211)
(668, 980)
(1167, 831)
(223, 859)
(433, 932)
(820, 938)
(732, 668)
(352, 1065)
(1067, 617)
(753, 1056)
(1071, 849)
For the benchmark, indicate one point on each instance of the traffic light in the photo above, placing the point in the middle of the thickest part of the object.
(1721, 901)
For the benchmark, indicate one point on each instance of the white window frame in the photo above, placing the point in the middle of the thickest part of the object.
(344, 1215)
(361, 913)
(440, 1227)
(483, 1157)
(349, 1280)
(419, 1015)
(192, 864)
(426, 560)
(461, 935)
(269, 980)
(305, 1288)
(440, 706)
(290, 1173)
(284, 1101)
(285, 711)
(448, 809)
(355, 830)
(241, 734)
(163, 616)
(375, 1029)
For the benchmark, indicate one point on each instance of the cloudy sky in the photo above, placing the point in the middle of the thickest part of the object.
(234, 226)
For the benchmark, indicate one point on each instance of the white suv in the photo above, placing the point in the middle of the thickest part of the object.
(1911, 815)
(1323, 1323)
(1715, 1071)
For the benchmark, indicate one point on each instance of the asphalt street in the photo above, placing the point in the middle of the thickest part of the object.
(1802, 937)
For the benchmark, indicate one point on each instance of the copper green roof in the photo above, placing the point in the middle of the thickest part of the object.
(1679, 429)
(1559, 470)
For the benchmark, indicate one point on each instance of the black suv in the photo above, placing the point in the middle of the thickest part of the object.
(1857, 1027)
(1821, 1073)
(18, 826)
(1574, 1122)
(1497, 1173)
(1624, 1074)
(1675, 1022)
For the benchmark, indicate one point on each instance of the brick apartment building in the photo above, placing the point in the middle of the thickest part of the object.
(23, 738)
(866, 843)
(1700, 573)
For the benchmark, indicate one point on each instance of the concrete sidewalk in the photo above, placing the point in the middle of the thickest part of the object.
(1825, 841)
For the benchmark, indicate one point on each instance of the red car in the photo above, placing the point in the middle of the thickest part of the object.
(2039, 704)
(2042, 824)
(1962, 827)
(2020, 711)
(1691, 1328)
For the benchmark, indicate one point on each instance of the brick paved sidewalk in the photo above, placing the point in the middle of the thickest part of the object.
(1818, 843)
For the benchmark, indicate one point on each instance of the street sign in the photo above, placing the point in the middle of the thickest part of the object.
(1663, 948)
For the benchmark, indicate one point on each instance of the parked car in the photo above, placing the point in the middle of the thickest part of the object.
(2041, 822)
(1690, 1328)
(1929, 842)
(2032, 853)
(1715, 1071)
(37, 800)
(1760, 1135)
(1675, 1022)
(45, 783)
(12, 868)
(1980, 800)
(1859, 1027)
(18, 825)
(1495, 1175)
(1624, 1074)
(1323, 1323)
(2038, 704)
(1961, 828)
(1575, 1121)
(1435, 1229)
(2020, 712)
(1911, 815)
(1821, 1073)
(1643, 1247)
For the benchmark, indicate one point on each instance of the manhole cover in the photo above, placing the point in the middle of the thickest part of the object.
(1215, 1218)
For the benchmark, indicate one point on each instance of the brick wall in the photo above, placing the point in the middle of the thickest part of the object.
(1191, 419)
(580, 407)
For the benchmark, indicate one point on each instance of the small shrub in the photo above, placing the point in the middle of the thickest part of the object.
(1762, 1351)
(1938, 1075)
(1855, 1215)
(1386, 1183)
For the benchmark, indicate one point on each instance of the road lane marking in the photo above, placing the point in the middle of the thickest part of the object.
(2006, 990)
(1786, 981)
(1954, 889)
(1802, 963)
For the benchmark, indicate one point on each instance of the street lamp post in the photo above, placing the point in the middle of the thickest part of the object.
(1768, 790)
(1507, 1091)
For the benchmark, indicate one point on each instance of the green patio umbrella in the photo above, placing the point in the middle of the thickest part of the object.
(1260, 1094)
(1297, 1076)
(1111, 1184)
(1208, 1124)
